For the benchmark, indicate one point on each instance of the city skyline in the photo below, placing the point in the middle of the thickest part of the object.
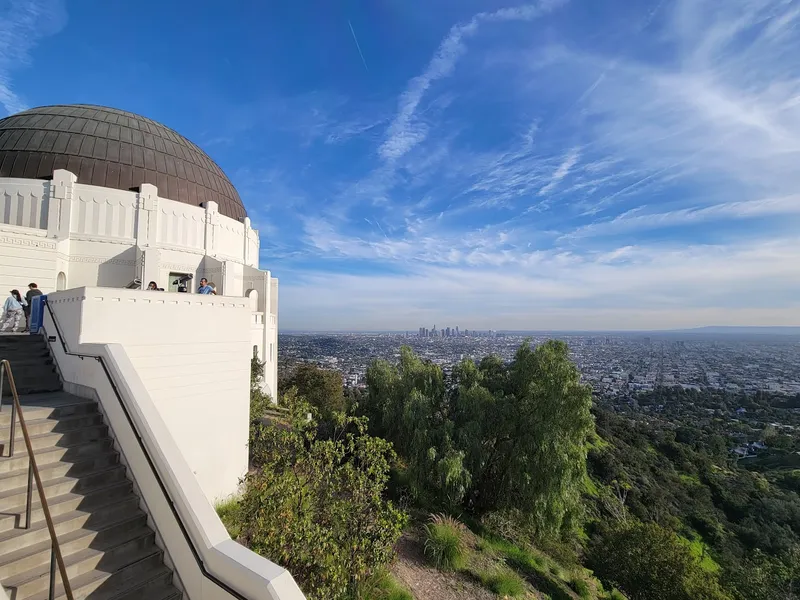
(724, 331)
(549, 165)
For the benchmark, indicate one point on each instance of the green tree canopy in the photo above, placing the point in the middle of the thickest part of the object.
(649, 562)
(495, 436)
(322, 388)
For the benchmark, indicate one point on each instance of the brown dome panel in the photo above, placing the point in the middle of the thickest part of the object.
(115, 149)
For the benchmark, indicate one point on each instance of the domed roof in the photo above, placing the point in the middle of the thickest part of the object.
(115, 149)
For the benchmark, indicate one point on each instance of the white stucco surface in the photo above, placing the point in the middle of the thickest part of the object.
(63, 235)
(192, 353)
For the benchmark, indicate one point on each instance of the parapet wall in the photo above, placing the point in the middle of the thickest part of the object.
(66, 209)
(192, 353)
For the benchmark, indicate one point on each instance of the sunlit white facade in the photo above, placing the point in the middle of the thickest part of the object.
(62, 234)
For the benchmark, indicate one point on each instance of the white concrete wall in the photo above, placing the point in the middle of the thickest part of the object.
(192, 353)
(99, 212)
(181, 225)
(26, 256)
(24, 202)
(140, 432)
(101, 233)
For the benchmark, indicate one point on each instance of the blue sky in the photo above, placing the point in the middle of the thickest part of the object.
(592, 164)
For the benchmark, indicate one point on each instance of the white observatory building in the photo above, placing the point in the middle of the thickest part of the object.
(94, 198)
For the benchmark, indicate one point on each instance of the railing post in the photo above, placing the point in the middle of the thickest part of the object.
(52, 592)
(30, 492)
(2, 374)
(13, 429)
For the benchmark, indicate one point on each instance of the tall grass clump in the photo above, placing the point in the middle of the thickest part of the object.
(383, 586)
(229, 514)
(445, 544)
(506, 584)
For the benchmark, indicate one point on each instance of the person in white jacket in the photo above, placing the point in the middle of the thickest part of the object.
(12, 312)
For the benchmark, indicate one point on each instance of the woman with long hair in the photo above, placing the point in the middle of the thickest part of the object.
(12, 312)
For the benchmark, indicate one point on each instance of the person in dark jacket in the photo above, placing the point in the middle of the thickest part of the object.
(33, 291)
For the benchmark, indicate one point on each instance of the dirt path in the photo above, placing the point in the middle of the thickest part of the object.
(426, 583)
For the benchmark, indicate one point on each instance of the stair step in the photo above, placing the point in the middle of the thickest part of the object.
(10, 351)
(58, 469)
(26, 360)
(64, 503)
(53, 454)
(56, 438)
(61, 425)
(100, 539)
(128, 561)
(9, 499)
(26, 338)
(27, 379)
(134, 582)
(64, 405)
(66, 523)
(35, 382)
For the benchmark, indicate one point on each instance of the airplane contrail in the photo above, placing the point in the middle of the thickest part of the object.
(355, 39)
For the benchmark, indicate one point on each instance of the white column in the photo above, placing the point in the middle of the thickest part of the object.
(151, 269)
(147, 216)
(274, 297)
(269, 381)
(59, 213)
(212, 219)
(232, 279)
(246, 240)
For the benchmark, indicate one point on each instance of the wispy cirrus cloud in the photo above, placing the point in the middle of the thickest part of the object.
(406, 131)
(562, 171)
(637, 220)
(22, 24)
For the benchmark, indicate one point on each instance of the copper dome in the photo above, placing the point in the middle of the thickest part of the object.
(113, 148)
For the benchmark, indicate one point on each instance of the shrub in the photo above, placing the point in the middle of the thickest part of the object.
(445, 545)
(649, 562)
(316, 506)
(506, 583)
(581, 588)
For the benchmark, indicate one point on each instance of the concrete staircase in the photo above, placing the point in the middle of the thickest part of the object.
(108, 548)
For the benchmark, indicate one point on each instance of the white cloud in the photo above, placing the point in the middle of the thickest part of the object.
(722, 113)
(636, 220)
(405, 131)
(632, 287)
(22, 24)
(570, 159)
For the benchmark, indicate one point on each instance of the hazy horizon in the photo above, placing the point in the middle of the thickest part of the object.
(787, 330)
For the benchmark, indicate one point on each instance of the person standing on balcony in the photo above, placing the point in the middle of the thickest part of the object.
(33, 291)
(204, 287)
(12, 311)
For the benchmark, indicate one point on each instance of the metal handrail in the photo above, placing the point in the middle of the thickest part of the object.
(33, 471)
